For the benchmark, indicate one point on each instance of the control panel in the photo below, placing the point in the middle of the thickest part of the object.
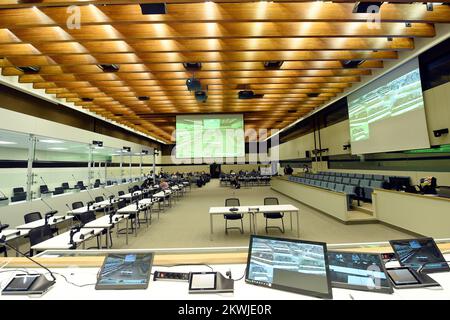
(174, 276)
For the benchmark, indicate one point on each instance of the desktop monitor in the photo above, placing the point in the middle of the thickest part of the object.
(419, 254)
(291, 265)
(130, 270)
(358, 271)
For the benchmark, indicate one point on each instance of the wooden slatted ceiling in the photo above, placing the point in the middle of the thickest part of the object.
(230, 39)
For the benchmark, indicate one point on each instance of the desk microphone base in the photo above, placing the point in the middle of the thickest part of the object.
(40, 286)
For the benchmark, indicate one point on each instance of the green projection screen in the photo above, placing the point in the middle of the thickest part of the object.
(388, 114)
(210, 136)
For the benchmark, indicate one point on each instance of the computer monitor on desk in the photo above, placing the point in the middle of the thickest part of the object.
(290, 265)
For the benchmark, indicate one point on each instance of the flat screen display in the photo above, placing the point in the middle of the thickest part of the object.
(125, 271)
(388, 114)
(290, 265)
(21, 282)
(358, 271)
(210, 136)
(402, 276)
(421, 254)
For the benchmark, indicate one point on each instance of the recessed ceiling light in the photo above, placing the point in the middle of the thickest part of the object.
(7, 142)
(50, 141)
(57, 148)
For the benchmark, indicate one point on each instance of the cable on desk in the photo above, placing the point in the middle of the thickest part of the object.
(245, 272)
(72, 283)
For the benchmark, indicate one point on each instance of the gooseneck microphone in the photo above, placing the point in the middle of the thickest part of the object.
(50, 283)
(3, 196)
(50, 207)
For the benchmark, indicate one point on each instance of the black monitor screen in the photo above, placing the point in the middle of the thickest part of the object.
(359, 271)
(125, 270)
(291, 265)
(420, 253)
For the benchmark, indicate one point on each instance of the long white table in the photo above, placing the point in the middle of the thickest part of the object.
(178, 290)
(61, 242)
(94, 207)
(252, 211)
(104, 223)
(51, 221)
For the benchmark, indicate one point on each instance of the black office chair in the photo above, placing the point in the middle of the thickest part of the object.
(65, 185)
(44, 189)
(20, 196)
(273, 215)
(233, 202)
(58, 190)
(88, 217)
(99, 199)
(33, 216)
(38, 235)
(121, 193)
(3, 248)
(77, 204)
(18, 190)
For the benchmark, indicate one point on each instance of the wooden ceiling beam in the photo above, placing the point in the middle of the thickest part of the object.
(216, 11)
(200, 45)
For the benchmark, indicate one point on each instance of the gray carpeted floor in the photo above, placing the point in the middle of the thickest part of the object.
(186, 224)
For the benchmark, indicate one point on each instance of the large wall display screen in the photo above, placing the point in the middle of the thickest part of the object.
(210, 136)
(389, 114)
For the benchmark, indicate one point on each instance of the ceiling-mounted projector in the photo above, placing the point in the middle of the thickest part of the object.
(249, 94)
(201, 96)
(193, 84)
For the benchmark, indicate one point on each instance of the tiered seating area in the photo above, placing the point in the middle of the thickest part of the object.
(356, 185)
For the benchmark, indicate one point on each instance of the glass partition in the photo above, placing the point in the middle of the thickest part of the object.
(101, 160)
(13, 166)
(33, 166)
(60, 164)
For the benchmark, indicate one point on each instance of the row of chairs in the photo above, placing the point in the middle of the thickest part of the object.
(234, 202)
(363, 183)
(19, 194)
(367, 176)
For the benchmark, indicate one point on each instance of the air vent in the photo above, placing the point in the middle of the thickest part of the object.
(153, 8)
(273, 65)
(29, 69)
(193, 84)
(312, 94)
(279, 121)
(292, 111)
(366, 7)
(242, 86)
(351, 64)
(109, 67)
(192, 66)
(86, 99)
(144, 98)
(201, 96)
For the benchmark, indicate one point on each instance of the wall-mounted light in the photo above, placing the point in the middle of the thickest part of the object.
(144, 151)
(126, 149)
(346, 146)
(97, 143)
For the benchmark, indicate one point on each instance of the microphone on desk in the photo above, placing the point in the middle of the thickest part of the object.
(43, 180)
(3, 196)
(50, 207)
(73, 231)
(44, 283)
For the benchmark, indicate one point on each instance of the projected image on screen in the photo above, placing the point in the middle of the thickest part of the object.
(210, 136)
(389, 114)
